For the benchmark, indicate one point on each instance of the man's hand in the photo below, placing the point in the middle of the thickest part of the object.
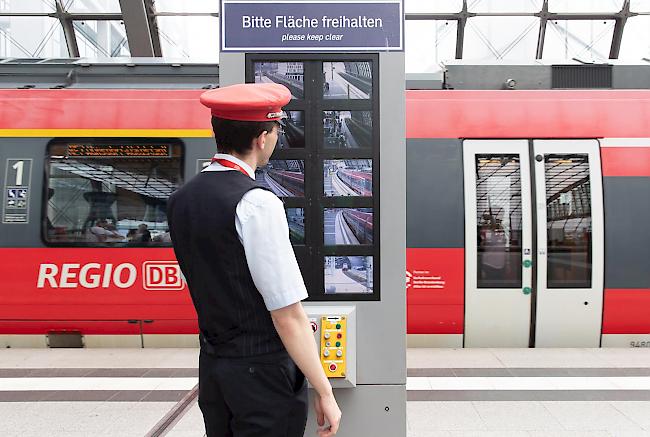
(327, 410)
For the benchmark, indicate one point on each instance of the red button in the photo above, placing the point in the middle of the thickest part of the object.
(339, 335)
(332, 367)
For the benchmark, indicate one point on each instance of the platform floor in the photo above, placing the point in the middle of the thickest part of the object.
(451, 392)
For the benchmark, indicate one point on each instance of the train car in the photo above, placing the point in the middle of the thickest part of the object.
(361, 224)
(527, 216)
(291, 181)
(359, 181)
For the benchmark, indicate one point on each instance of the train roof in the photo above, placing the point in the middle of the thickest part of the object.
(167, 73)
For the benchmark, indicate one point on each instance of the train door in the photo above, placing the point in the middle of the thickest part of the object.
(534, 276)
(498, 243)
(570, 243)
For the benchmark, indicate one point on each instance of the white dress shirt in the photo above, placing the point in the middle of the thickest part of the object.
(262, 228)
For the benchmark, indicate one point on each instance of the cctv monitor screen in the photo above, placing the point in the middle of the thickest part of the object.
(348, 274)
(289, 74)
(347, 80)
(286, 178)
(347, 129)
(347, 226)
(347, 177)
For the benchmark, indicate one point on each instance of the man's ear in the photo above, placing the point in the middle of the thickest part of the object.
(260, 141)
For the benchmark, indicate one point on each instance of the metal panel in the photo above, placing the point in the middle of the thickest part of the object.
(568, 317)
(434, 200)
(496, 317)
(631, 76)
(497, 77)
(377, 404)
(627, 232)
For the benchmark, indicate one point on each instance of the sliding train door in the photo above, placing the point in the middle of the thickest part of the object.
(534, 243)
(498, 243)
(570, 243)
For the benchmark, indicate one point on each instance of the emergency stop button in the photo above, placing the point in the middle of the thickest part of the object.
(332, 367)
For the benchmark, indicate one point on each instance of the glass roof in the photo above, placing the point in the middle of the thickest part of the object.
(436, 31)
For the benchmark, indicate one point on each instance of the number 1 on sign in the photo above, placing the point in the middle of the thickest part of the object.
(19, 171)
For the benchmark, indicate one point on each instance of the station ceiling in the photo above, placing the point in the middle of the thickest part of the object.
(436, 30)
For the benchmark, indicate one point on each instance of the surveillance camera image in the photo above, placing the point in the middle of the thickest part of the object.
(347, 226)
(286, 178)
(347, 129)
(349, 177)
(348, 274)
(347, 80)
(296, 221)
(294, 131)
(289, 74)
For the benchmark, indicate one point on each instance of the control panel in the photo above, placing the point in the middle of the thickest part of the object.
(335, 335)
(333, 341)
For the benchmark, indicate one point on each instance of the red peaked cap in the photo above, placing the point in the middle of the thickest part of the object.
(248, 102)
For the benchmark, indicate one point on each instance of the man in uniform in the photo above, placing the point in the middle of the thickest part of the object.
(231, 240)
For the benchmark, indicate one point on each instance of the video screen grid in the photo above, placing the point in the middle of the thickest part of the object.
(342, 129)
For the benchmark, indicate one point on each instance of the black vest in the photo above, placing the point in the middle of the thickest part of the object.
(232, 315)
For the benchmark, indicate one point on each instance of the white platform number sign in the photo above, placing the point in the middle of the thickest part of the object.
(16, 193)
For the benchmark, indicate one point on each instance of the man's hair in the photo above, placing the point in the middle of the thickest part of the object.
(237, 136)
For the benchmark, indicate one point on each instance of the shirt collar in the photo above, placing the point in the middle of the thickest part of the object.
(235, 160)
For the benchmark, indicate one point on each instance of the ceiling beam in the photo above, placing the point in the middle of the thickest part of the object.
(617, 38)
(68, 30)
(136, 23)
(541, 37)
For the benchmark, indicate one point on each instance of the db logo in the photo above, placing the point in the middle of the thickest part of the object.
(162, 275)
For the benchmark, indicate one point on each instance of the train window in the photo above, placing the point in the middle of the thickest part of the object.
(499, 230)
(568, 221)
(285, 177)
(347, 129)
(347, 80)
(347, 226)
(348, 274)
(289, 74)
(110, 193)
(296, 221)
(350, 177)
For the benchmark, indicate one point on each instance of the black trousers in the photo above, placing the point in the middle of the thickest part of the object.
(260, 396)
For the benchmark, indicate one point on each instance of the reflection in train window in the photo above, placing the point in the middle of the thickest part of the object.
(347, 226)
(289, 74)
(348, 274)
(286, 178)
(347, 80)
(568, 221)
(296, 222)
(499, 230)
(349, 177)
(110, 194)
(347, 129)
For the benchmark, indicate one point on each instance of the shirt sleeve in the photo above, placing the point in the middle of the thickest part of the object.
(263, 231)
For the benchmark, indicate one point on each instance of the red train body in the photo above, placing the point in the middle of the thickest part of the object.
(359, 181)
(140, 291)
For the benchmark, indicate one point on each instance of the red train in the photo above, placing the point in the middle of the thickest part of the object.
(359, 181)
(361, 224)
(291, 181)
(477, 274)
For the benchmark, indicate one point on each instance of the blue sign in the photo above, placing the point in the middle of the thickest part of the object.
(256, 26)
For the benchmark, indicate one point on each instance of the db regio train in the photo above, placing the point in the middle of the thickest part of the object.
(527, 212)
